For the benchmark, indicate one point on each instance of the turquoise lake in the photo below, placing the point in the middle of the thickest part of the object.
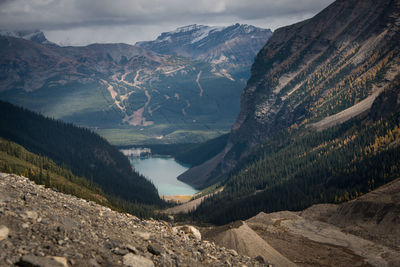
(163, 171)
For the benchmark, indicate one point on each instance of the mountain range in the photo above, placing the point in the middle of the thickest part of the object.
(127, 93)
(229, 49)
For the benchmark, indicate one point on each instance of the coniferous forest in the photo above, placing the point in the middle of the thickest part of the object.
(80, 150)
(17, 160)
(297, 168)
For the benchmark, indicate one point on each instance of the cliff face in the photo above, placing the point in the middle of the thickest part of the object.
(318, 73)
(320, 67)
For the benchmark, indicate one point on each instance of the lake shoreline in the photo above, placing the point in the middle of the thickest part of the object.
(163, 172)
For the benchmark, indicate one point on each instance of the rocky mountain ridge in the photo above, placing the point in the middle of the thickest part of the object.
(313, 75)
(35, 36)
(231, 49)
(342, 57)
(41, 227)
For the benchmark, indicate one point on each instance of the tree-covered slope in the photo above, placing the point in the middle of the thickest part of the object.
(17, 160)
(300, 167)
(316, 73)
(343, 57)
(84, 152)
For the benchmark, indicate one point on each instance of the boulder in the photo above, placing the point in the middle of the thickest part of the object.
(189, 230)
(3, 232)
(133, 260)
(37, 261)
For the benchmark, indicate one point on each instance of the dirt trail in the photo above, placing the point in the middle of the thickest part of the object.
(136, 82)
(113, 94)
(198, 83)
(124, 81)
(137, 118)
(166, 72)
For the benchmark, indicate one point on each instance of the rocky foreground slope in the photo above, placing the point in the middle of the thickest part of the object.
(361, 232)
(41, 227)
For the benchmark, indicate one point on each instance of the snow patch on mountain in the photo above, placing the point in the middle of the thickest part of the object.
(205, 32)
(197, 33)
(229, 48)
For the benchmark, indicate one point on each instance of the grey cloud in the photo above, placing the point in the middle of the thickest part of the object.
(86, 15)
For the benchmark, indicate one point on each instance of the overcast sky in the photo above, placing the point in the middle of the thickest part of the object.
(80, 22)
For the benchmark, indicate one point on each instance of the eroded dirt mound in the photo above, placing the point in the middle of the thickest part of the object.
(240, 237)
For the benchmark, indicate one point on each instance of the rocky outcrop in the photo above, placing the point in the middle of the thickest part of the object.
(41, 227)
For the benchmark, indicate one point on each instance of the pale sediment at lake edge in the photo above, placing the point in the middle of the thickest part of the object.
(177, 198)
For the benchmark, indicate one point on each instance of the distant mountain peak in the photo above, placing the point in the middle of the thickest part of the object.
(188, 28)
(230, 48)
(31, 35)
(198, 32)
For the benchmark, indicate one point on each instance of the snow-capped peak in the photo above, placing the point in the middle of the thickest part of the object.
(204, 33)
(197, 32)
(188, 28)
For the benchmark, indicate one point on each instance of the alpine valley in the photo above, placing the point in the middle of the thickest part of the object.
(304, 172)
(130, 94)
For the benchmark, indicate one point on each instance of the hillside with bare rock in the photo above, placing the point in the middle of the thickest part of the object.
(314, 74)
(361, 232)
(42, 227)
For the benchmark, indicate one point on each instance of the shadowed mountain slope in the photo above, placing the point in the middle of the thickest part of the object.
(316, 73)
